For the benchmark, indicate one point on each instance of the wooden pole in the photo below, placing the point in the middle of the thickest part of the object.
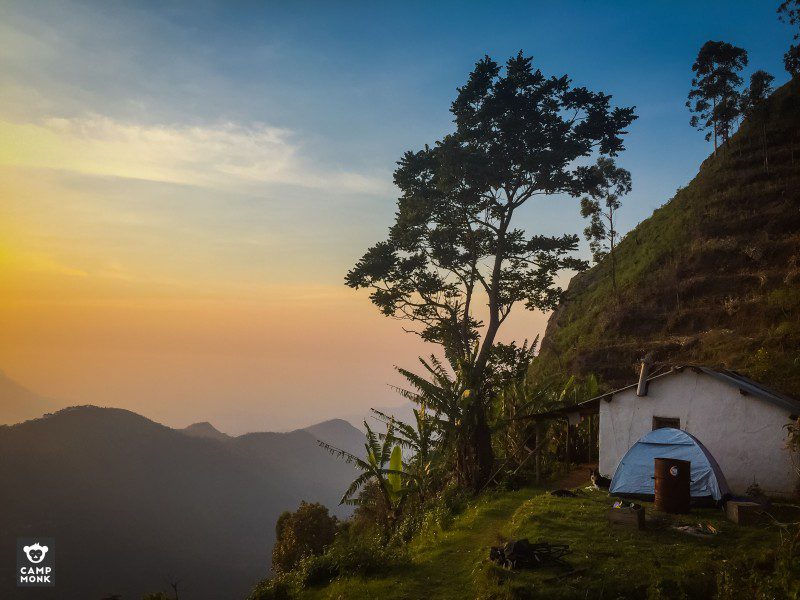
(538, 452)
(587, 451)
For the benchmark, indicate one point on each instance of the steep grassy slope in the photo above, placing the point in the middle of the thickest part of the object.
(713, 276)
(609, 561)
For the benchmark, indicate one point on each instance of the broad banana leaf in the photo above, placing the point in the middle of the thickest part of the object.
(394, 479)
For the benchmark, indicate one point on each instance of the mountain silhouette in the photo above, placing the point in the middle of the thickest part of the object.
(206, 430)
(133, 504)
(17, 403)
(339, 430)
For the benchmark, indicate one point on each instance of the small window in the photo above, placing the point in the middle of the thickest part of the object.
(661, 422)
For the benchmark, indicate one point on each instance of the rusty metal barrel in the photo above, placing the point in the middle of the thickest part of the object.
(672, 485)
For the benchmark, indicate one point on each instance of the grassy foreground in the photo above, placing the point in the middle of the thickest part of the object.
(608, 561)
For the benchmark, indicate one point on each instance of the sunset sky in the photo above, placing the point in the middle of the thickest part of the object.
(184, 185)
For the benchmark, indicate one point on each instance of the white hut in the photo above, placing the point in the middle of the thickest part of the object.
(741, 422)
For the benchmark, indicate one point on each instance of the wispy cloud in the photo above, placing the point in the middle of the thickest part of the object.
(222, 156)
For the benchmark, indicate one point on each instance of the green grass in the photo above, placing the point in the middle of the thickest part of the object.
(610, 561)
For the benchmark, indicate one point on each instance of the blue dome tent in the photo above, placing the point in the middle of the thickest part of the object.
(634, 475)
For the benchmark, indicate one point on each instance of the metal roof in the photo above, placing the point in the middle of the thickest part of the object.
(747, 387)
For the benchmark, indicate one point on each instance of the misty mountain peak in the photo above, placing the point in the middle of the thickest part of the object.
(206, 430)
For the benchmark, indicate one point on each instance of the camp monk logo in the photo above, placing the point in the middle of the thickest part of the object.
(36, 562)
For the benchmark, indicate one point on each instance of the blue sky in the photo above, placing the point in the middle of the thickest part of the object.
(153, 154)
(358, 83)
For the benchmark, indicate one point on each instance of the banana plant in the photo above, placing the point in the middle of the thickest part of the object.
(420, 441)
(382, 464)
(441, 397)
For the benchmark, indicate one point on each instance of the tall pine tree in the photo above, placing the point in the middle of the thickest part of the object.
(714, 97)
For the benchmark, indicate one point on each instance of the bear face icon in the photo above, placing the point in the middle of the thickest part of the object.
(35, 553)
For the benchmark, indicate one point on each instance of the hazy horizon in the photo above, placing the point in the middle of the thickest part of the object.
(175, 233)
(402, 410)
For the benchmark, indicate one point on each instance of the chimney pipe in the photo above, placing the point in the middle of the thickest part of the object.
(644, 373)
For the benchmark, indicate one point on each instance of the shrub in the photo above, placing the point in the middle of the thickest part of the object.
(364, 555)
(453, 498)
(436, 513)
(351, 553)
(317, 570)
(371, 513)
(513, 481)
(776, 575)
(305, 532)
(278, 588)
(787, 563)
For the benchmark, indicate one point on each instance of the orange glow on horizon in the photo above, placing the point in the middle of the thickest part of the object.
(123, 285)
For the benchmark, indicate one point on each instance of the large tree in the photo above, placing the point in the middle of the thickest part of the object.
(714, 97)
(789, 12)
(454, 263)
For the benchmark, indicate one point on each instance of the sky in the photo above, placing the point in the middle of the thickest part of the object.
(183, 185)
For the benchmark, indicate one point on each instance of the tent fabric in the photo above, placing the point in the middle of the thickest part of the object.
(635, 472)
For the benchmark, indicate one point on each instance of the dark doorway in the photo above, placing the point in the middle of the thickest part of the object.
(661, 422)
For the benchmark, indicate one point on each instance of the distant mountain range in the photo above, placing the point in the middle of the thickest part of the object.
(133, 504)
(18, 403)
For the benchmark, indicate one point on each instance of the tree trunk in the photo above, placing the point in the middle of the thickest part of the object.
(714, 125)
(479, 437)
(612, 240)
(475, 455)
(484, 454)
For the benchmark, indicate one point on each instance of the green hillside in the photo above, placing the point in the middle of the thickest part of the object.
(608, 561)
(713, 276)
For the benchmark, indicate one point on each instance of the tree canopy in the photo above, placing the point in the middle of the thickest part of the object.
(789, 13)
(305, 532)
(714, 98)
(754, 96)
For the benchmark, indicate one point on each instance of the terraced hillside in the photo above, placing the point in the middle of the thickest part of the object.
(713, 276)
